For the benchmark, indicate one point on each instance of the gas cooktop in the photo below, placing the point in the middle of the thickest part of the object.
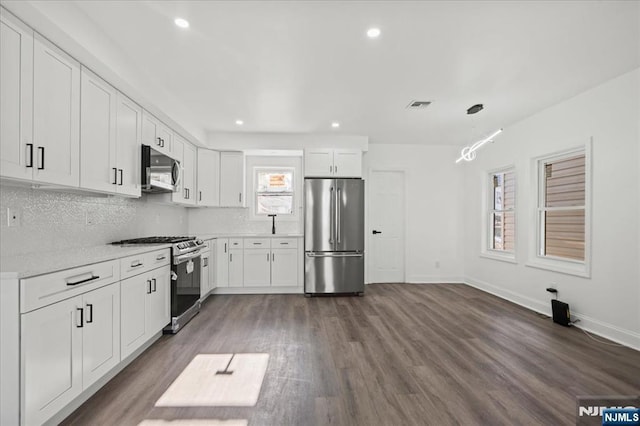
(154, 240)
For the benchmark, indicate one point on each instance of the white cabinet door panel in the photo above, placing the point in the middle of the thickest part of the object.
(236, 268)
(257, 267)
(16, 102)
(208, 177)
(222, 262)
(284, 267)
(232, 179)
(128, 137)
(98, 167)
(51, 352)
(159, 300)
(347, 163)
(134, 306)
(56, 115)
(101, 333)
(318, 162)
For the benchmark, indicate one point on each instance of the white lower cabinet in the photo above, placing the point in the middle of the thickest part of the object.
(222, 262)
(66, 347)
(257, 262)
(145, 300)
(284, 267)
(236, 268)
(257, 267)
(205, 271)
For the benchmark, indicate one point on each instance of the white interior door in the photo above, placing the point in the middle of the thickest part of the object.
(386, 226)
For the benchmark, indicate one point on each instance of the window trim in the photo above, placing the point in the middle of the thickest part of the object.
(256, 193)
(554, 263)
(487, 229)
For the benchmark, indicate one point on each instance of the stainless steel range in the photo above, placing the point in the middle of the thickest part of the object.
(185, 276)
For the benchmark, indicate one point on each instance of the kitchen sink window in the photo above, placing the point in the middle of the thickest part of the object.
(501, 213)
(274, 192)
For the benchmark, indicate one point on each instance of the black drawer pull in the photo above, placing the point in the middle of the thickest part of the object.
(81, 318)
(92, 278)
(89, 313)
(135, 265)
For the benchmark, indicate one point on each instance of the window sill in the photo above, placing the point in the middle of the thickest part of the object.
(509, 258)
(568, 268)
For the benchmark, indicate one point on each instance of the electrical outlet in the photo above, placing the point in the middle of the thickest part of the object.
(14, 216)
(89, 219)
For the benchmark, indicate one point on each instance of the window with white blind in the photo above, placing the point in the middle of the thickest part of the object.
(562, 222)
(502, 215)
(274, 191)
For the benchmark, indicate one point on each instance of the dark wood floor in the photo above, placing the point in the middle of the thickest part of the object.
(402, 355)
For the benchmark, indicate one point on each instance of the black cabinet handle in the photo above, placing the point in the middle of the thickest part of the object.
(225, 247)
(162, 143)
(92, 278)
(121, 176)
(376, 232)
(200, 196)
(81, 318)
(240, 197)
(159, 142)
(135, 265)
(115, 176)
(230, 257)
(89, 313)
(154, 284)
(149, 288)
(30, 146)
(41, 166)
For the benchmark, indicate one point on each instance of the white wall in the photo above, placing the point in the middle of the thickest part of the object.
(608, 302)
(57, 220)
(217, 220)
(433, 208)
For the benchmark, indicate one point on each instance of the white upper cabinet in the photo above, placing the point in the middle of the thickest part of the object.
(189, 170)
(16, 101)
(128, 142)
(110, 134)
(98, 168)
(56, 115)
(232, 179)
(185, 153)
(332, 163)
(156, 134)
(208, 177)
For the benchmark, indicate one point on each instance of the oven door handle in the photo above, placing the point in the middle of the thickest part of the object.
(185, 257)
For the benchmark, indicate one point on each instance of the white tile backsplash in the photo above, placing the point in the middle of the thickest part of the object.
(236, 220)
(52, 220)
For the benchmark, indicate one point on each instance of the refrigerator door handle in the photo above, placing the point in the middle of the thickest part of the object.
(331, 216)
(312, 254)
(338, 230)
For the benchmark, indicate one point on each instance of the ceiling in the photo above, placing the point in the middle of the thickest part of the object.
(296, 66)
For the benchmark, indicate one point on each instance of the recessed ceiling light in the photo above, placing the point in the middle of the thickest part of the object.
(373, 32)
(239, 122)
(335, 124)
(182, 23)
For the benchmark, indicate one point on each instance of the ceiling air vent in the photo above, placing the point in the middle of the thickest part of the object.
(419, 104)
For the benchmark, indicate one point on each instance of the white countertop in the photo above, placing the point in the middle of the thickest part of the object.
(29, 265)
(229, 235)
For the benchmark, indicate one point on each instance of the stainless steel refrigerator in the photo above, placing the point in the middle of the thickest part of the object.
(333, 236)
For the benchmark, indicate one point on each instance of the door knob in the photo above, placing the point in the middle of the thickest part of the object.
(376, 232)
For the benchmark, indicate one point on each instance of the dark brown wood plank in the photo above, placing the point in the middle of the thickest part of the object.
(435, 354)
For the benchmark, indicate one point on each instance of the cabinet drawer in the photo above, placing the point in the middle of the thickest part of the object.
(236, 243)
(143, 262)
(284, 243)
(159, 258)
(44, 290)
(254, 243)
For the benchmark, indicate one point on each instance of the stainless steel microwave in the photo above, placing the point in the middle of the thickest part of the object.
(160, 173)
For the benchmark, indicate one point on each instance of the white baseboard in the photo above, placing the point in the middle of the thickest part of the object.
(258, 290)
(434, 279)
(608, 331)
